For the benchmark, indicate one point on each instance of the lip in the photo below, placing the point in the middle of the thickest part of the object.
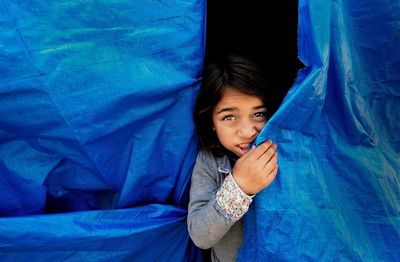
(243, 148)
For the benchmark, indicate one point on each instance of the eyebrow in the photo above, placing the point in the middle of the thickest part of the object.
(230, 109)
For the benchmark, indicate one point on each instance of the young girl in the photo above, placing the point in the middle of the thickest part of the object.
(230, 112)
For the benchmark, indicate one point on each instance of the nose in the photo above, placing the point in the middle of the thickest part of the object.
(247, 130)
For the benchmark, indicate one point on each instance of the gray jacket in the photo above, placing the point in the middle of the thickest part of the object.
(208, 226)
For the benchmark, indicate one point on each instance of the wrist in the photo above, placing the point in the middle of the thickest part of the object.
(242, 187)
(232, 202)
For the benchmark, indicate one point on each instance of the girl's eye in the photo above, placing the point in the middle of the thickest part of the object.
(229, 118)
(260, 114)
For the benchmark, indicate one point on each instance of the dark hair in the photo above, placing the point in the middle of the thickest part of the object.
(232, 71)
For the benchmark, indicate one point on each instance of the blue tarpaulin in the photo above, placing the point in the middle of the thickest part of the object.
(96, 133)
(337, 194)
(97, 140)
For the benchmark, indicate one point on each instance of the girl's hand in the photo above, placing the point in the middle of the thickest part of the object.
(256, 169)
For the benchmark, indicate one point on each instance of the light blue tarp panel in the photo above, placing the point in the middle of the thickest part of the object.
(96, 103)
(337, 194)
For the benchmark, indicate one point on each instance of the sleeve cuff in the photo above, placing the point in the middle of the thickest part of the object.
(232, 201)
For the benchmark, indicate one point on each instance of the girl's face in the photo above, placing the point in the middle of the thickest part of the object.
(237, 120)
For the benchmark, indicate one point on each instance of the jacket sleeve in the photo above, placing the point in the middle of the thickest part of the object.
(213, 210)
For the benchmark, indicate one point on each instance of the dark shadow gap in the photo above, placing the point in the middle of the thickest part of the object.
(263, 31)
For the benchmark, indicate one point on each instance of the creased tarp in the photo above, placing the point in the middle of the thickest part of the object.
(96, 103)
(149, 233)
(337, 194)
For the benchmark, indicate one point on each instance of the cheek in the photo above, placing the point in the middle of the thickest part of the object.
(223, 131)
(260, 125)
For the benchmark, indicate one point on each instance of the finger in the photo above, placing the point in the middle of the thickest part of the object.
(266, 157)
(271, 176)
(269, 151)
(248, 153)
(260, 150)
(272, 161)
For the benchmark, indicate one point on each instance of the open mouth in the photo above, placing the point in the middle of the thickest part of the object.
(243, 148)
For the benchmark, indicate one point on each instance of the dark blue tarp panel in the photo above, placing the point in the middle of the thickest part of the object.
(337, 195)
(148, 233)
(96, 103)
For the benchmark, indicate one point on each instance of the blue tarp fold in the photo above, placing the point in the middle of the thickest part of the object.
(96, 125)
(337, 194)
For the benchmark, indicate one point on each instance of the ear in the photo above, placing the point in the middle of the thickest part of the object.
(213, 128)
